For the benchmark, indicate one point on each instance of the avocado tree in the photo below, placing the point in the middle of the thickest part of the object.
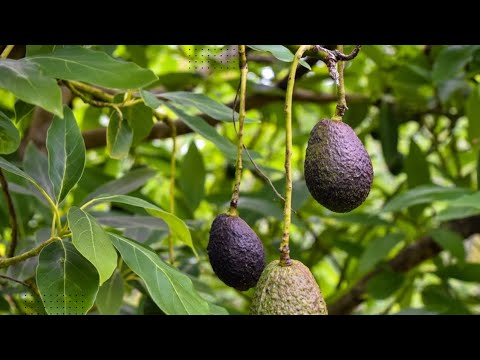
(116, 160)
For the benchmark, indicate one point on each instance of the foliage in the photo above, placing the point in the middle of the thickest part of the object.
(96, 210)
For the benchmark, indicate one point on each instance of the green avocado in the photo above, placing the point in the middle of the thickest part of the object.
(235, 252)
(287, 290)
(338, 170)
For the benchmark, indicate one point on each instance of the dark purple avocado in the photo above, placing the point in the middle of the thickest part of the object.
(236, 253)
(338, 170)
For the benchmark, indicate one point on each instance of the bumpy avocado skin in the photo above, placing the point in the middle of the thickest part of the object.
(338, 169)
(287, 290)
(236, 253)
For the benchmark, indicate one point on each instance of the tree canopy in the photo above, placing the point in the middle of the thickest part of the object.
(115, 160)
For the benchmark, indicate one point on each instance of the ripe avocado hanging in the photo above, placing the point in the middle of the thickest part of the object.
(338, 170)
(235, 252)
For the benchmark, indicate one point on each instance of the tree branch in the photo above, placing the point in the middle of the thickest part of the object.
(12, 215)
(4, 263)
(97, 137)
(410, 257)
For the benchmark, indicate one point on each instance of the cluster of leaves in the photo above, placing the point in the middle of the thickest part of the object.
(415, 108)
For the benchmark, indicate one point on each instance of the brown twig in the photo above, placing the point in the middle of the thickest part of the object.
(12, 215)
(17, 281)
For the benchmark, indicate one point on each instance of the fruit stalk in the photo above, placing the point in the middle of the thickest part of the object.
(171, 252)
(341, 100)
(241, 118)
(287, 212)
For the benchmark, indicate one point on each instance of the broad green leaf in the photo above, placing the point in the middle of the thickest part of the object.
(140, 119)
(27, 82)
(450, 241)
(378, 249)
(464, 272)
(33, 50)
(5, 165)
(350, 247)
(472, 200)
(416, 166)
(414, 311)
(9, 136)
(119, 136)
(35, 164)
(92, 242)
(199, 125)
(203, 103)
(217, 310)
(110, 295)
(129, 221)
(384, 284)
(361, 218)
(150, 99)
(176, 225)
(66, 154)
(423, 195)
(131, 181)
(95, 67)
(192, 179)
(473, 114)
(454, 213)
(171, 290)
(280, 52)
(450, 61)
(23, 110)
(388, 129)
(67, 282)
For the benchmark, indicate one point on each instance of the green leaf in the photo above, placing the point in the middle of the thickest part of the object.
(110, 295)
(463, 272)
(203, 103)
(265, 207)
(119, 136)
(140, 119)
(388, 129)
(450, 241)
(473, 114)
(27, 82)
(193, 187)
(33, 50)
(416, 166)
(454, 213)
(9, 136)
(171, 290)
(176, 225)
(199, 125)
(422, 195)
(67, 282)
(92, 242)
(414, 311)
(131, 181)
(66, 154)
(95, 67)
(471, 200)
(35, 164)
(377, 250)
(361, 218)
(150, 99)
(280, 52)
(384, 284)
(23, 110)
(450, 61)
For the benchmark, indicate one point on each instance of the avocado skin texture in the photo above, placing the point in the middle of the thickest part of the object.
(287, 290)
(338, 170)
(236, 253)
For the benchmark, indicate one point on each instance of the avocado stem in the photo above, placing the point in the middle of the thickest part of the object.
(287, 212)
(341, 98)
(243, 66)
(171, 251)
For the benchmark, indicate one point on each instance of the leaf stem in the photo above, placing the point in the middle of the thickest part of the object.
(287, 213)
(4, 263)
(232, 211)
(171, 250)
(341, 101)
(12, 215)
(8, 49)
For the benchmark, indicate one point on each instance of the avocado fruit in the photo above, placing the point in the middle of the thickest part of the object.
(338, 170)
(235, 252)
(287, 290)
